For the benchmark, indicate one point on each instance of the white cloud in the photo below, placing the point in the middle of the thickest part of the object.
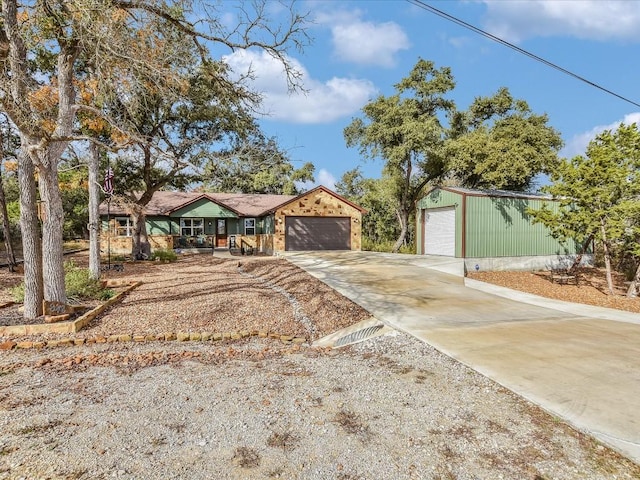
(327, 179)
(577, 145)
(362, 42)
(588, 19)
(319, 103)
(324, 177)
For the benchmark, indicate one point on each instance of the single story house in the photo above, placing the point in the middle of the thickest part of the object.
(319, 219)
(491, 230)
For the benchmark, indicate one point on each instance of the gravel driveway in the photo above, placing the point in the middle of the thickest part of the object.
(389, 408)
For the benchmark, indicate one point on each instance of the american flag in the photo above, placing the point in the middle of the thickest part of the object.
(108, 181)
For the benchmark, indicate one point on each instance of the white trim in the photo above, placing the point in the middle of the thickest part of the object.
(249, 224)
(191, 227)
(123, 225)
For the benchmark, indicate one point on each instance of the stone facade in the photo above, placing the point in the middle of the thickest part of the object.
(123, 245)
(318, 203)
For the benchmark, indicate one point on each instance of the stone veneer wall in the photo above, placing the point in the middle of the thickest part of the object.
(123, 245)
(318, 204)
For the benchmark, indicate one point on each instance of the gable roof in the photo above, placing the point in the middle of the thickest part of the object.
(164, 203)
(242, 204)
(323, 189)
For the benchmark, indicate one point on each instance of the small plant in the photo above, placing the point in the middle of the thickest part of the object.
(351, 423)
(164, 256)
(385, 246)
(284, 440)
(245, 457)
(106, 294)
(17, 292)
(78, 284)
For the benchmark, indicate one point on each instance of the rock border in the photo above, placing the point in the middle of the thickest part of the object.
(75, 325)
(141, 338)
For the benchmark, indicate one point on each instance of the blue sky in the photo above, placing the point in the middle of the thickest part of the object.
(362, 48)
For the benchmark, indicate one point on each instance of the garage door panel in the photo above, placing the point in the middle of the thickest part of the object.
(440, 232)
(317, 233)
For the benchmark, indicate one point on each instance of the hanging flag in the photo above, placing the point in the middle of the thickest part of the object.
(108, 182)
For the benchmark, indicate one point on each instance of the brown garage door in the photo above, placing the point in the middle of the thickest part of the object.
(317, 233)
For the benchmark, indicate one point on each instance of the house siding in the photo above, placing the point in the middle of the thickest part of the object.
(159, 226)
(519, 236)
(203, 208)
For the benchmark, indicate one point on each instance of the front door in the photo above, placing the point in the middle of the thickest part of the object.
(221, 233)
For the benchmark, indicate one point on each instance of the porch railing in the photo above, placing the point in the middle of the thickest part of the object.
(196, 241)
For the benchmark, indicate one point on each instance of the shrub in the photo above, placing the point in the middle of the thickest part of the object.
(17, 292)
(372, 246)
(164, 255)
(78, 284)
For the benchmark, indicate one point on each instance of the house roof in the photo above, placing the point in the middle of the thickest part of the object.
(495, 193)
(242, 204)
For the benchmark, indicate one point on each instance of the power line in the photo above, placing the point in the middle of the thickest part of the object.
(499, 40)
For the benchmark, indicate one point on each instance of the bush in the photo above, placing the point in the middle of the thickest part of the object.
(78, 284)
(162, 255)
(387, 247)
(17, 293)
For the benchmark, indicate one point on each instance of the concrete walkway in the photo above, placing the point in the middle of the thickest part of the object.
(577, 362)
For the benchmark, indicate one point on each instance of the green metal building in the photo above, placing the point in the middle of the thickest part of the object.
(490, 229)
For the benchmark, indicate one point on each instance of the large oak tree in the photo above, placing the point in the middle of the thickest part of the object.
(406, 131)
(48, 48)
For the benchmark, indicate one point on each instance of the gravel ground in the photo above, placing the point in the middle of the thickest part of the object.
(388, 408)
(206, 293)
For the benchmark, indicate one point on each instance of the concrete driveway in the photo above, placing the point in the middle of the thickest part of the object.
(579, 363)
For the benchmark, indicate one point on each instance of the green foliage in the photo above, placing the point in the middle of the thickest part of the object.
(17, 292)
(255, 165)
(369, 245)
(163, 255)
(598, 190)
(406, 132)
(379, 224)
(500, 144)
(78, 284)
(75, 200)
(598, 195)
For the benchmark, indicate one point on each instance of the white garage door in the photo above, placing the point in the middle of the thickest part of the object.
(440, 231)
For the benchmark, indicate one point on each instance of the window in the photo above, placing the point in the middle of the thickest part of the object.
(123, 227)
(222, 227)
(249, 226)
(191, 227)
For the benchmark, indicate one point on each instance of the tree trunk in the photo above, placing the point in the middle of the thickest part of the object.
(632, 292)
(403, 218)
(607, 257)
(140, 250)
(31, 246)
(578, 260)
(6, 230)
(52, 233)
(94, 218)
